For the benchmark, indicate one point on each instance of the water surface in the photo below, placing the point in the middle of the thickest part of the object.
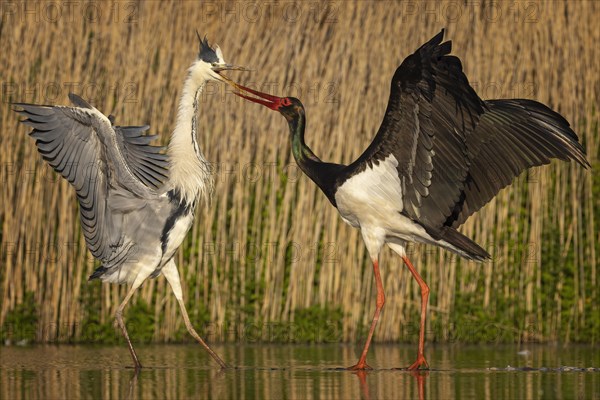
(297, 372)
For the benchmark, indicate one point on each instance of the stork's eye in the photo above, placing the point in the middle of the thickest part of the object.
(286, 102)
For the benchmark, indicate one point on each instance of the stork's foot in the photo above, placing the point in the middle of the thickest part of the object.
(421, 363)
(359, 366)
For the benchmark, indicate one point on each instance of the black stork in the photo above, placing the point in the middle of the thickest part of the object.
(440, 155)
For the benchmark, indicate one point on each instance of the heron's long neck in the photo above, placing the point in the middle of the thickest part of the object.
(189, 172)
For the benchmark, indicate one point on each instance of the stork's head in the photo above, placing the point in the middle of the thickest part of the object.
(289, 107)
(210, 61)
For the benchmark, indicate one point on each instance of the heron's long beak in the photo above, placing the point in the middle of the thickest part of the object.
(229, 67)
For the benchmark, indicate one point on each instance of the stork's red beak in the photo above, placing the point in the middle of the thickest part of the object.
(267, 100)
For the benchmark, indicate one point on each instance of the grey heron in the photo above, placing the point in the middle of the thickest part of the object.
(136, 204)
(441, 153)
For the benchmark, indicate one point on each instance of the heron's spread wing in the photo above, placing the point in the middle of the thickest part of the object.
(431, 113)
(512, 135)
(147, 162)
(96, 158)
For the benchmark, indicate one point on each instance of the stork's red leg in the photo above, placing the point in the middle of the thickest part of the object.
(424, 299)
(362, 362)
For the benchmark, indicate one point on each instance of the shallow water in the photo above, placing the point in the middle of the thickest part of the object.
(297, 371)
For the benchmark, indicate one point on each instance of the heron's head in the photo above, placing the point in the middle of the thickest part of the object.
(210, 61)
(289, 107)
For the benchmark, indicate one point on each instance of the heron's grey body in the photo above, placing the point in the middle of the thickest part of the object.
(133, 218)
(136, 203)
(128, 213)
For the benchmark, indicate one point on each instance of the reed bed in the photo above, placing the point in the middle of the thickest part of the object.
(270, 251)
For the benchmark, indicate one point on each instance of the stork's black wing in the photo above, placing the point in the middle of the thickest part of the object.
(455, 151)
(430, 116)
(512, 135)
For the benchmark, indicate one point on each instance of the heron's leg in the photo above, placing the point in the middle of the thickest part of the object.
(172, 275)
(424, 298)
(121, 324)
(362, 362)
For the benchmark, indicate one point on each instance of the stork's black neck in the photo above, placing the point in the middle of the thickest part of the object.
(322, 173)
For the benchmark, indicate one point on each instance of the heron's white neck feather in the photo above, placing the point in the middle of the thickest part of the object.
(189, 172)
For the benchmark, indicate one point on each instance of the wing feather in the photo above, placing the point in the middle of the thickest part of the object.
(431, 112)
(146, 162)
(513, 135)
(454, 150)
(77, 142)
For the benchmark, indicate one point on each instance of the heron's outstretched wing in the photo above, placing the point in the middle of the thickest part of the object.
(81, 144)
(512, 135)
(431, 113)
(147, 162)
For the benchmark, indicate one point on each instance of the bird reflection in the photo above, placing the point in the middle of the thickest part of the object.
(419, 375)
(133, 384)
(362, 381)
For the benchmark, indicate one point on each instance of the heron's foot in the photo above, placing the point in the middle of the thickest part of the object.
(225, 367)
(421, 363)
(359, 366)
(136, 365)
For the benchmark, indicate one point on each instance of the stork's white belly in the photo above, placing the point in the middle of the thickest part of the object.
(372, 200)
(371, 196)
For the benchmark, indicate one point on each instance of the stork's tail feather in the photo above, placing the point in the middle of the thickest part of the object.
(463, 246)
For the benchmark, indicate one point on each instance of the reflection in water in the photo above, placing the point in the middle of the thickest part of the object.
(364, 388)
(294, 372)
(420, 377)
